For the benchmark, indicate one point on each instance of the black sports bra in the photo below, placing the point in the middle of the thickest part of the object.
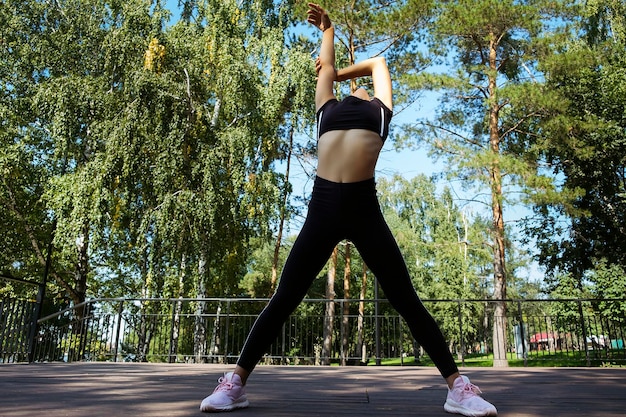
(354, 113)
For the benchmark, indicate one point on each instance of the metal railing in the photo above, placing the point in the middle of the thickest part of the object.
(16, 326)
(572, 332)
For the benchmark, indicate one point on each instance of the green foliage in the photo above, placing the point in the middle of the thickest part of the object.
(583, 141)
(147, 151)
(257, 281)
(444, 248)
(492, 50)
(432, 229)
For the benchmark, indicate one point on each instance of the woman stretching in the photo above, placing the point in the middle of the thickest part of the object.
(344, 205)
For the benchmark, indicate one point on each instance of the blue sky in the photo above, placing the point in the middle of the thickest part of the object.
(407, 163)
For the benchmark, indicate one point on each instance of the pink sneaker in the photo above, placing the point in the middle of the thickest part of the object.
(228, 395)
(464, 399)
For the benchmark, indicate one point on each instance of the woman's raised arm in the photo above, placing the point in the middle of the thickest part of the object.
(375, 67)
(326, 73)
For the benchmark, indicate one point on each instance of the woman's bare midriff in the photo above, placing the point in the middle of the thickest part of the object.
(348, 155)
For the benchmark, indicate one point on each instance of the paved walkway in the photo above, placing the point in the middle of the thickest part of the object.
(129, 389)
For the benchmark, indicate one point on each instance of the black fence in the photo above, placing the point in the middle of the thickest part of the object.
(16, 327)
(566, 332)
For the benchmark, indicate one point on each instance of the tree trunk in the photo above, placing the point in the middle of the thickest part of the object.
(145, 326)
(330, 309)
(345, 316)
(215, 336)
(176, 313)
(499, 256)
(200, 331)
(499, 290)
(79, 330)
(360, 325)
(146, 329)
(82, 268)
(283, 211)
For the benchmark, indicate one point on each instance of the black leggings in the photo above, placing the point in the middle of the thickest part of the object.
(351, 211)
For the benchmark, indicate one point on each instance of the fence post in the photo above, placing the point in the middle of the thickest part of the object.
(119, 329)
(521, 332)
(227, 328)
(342, 353)
(377, 321)
(584, 329)
(458, 303)
(170, 356)
(34, 325)
(283, 353)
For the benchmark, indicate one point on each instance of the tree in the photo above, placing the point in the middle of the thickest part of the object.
(485, 110)
(224, 86)
(146, 151)
(584, 143)
(443, 247)
(63, 84)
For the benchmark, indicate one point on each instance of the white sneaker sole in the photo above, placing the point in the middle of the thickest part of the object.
(230, 407)
(455, 408)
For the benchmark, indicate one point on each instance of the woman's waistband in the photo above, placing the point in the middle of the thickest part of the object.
(365, 184)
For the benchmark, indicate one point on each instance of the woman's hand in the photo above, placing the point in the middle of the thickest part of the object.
(318, 17)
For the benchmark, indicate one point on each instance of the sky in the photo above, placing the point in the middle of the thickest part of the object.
(407, 163)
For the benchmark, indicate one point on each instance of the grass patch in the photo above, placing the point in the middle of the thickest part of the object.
(536, 359)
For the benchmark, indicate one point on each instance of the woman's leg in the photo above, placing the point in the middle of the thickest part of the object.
(381, 254)
(309, 254)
